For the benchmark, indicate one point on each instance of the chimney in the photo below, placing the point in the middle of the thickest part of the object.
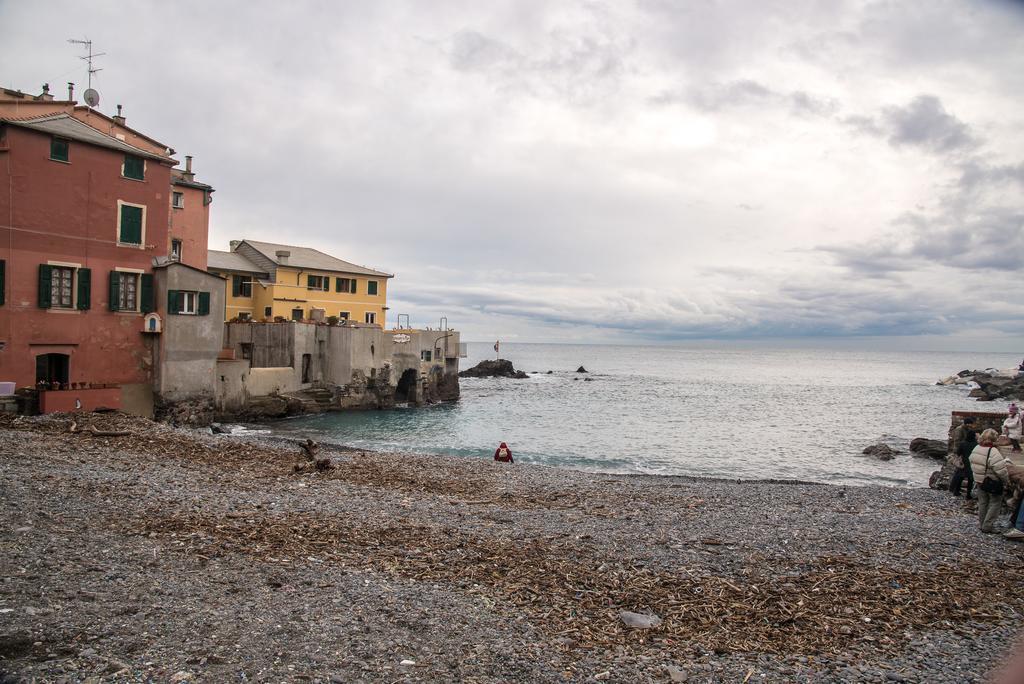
(282, 257)
(117, 117)
(71, 91)
(188, 168)
(45, 95)
(234, 244)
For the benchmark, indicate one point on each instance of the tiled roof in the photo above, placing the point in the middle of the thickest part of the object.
(229, 261)
(307, 257)
(178, 178)
(66, 126)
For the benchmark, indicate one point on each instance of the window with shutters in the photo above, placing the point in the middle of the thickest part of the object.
(133, 167)
(345, 285)
(178, 200)
(59, 149)
(175, 250)
(186, 303)
(131, 223)
(371, 317)
(241, 286)
(62, 293)
(315, 282)
(371, 287)
(128, 292)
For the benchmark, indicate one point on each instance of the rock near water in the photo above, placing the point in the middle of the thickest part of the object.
(883, 452)
(928, 448)
(992, 384)
(499, 368)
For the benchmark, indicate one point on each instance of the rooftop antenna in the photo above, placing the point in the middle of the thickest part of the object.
(88, 57)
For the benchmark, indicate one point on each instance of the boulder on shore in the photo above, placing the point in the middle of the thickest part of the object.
(581, 369)
(499, 368)
(883, 452)
(929, 448)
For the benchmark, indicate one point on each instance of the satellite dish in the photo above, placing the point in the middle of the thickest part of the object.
(92, 98)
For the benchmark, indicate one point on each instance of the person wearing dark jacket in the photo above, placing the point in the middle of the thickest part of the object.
(503, 454)
(964, 441)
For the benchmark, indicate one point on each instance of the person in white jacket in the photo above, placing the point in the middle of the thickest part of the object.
(1012, 427)
(987, 461)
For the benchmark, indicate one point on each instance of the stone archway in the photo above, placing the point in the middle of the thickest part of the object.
(405, 391)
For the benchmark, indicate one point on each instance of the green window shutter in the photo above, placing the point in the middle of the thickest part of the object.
(337, 284)
(131, 225)
(354, 283)
(309, 281)
(45, 277)
(172, 301)
(114, 291)
(58, 149)
(204, 304)
(147, 302)
(84, 289)
(371, 287)
(236, 285)
(134, 167)
(3, 282)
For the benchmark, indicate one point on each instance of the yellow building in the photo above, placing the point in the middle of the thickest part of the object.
(265, 281)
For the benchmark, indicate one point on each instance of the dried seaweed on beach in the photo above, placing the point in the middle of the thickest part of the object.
(576, 594)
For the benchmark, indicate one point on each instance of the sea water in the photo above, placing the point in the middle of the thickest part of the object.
(734, 413)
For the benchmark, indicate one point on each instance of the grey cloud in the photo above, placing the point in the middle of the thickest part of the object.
(802, 307)
(990, 240)
(577, 64)
(749, 93)
(926, 123)
(976, 175)
(923, 123)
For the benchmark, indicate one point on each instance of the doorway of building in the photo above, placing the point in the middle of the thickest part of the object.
(406, 388)
(51, 368)
(307, 361)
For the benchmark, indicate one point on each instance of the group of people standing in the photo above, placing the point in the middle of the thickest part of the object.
(986, 471)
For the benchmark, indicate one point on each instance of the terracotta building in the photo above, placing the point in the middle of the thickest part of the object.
(87, 207)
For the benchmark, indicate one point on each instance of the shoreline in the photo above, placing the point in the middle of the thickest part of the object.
(168, 553)
(341, 447)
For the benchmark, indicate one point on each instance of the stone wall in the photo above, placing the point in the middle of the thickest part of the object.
(357, 366)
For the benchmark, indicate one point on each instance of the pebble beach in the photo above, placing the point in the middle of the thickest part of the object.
(164, 554)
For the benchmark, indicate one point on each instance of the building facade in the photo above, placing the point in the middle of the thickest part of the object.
(266, 281)
(85, 203)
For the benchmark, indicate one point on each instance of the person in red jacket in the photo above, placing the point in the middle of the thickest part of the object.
(503, 454)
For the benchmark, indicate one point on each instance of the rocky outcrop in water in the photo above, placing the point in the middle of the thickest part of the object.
(992, 384)
(883, 452)
(929, 448)
(499, 368)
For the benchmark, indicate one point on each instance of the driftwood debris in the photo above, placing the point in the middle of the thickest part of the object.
(96, 432)
(320, 465)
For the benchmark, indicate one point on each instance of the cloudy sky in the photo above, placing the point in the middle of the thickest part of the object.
(624, 171)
